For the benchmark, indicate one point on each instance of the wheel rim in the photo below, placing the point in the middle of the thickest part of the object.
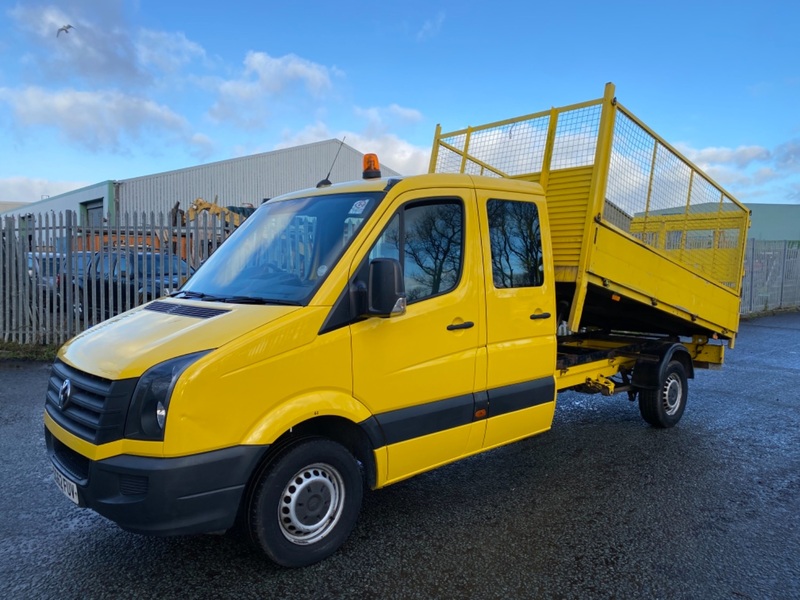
(311, 504)
(672, 394)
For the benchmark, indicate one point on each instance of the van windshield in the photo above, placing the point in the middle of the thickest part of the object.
(283, 252)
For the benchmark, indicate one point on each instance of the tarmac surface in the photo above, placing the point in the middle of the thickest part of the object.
(602, 506)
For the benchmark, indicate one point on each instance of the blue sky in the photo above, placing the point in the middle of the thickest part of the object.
(142, 86)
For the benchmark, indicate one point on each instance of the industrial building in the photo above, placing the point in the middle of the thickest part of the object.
(234, 182)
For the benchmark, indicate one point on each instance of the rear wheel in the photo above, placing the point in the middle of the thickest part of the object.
(664, 407)
(306, 502)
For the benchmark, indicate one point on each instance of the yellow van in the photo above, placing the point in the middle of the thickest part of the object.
(339, 336)
(358, 334)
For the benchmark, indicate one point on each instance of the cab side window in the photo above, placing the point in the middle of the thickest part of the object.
(428, 239)
(516, 244)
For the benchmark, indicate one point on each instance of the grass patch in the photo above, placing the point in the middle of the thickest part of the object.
(14, 351)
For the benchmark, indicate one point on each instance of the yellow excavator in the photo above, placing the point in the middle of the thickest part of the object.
(233, 215)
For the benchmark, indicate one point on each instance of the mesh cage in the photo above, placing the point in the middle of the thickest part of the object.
(576, 138)
(504, 150)
(656, 196)
(652, 193)
(517, 148)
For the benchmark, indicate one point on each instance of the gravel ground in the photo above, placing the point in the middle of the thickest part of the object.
(602, 506)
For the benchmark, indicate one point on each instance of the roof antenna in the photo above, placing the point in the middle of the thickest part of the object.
(327, 181)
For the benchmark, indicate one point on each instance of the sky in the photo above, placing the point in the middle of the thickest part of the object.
(137, 87)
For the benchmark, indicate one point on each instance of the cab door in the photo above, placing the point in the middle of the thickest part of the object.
(521, 316)
(416, 372)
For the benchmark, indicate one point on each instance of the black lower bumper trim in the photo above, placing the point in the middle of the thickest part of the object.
(168, 496)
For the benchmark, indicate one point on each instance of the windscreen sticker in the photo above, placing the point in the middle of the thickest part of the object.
(359, 207)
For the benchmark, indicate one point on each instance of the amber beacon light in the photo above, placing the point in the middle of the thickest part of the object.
(372, 168)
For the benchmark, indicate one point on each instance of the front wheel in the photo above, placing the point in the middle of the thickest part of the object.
(306, 502)
(664, 407)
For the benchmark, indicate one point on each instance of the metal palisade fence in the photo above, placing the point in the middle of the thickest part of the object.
(58, 278)
(772, 276)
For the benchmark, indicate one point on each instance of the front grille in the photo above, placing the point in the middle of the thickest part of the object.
(75, 464)
(96, 408)
(185, 310)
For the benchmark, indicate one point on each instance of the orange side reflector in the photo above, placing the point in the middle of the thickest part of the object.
(480, 413)
(615, 297)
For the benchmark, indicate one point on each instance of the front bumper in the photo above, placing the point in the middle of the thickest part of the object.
(161, 496)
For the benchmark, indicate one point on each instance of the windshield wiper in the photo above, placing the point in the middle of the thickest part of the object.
(257, 300)
(196, 296)
(232, 299)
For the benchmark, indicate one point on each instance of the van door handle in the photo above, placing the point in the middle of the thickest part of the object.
(464, 325)
(540, 316)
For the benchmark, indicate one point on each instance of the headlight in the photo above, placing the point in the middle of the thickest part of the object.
(161, 414)
(147, 413)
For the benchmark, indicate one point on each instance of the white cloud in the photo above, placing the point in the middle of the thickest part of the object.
(740, 157)
(40, 21)
(431, 27)
(727, 176)
(400, 155)
(200, 146)
(408, 115)
(275, 74)
(166, 51)
(751, 172)
(787, 156)
(99, 48)
(380, 118)
(100, 121)
(377, 136)
(264, 80)
(26, 189)
(396, 153)
(316, 132)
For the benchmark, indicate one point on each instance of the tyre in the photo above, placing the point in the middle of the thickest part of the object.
(306, 502)
(664, 407)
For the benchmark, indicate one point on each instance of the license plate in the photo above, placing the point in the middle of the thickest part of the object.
(69, 488)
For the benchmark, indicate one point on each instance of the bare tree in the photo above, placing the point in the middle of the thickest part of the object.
(433, 244)
(515, 239)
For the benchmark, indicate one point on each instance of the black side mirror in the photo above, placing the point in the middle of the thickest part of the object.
(386, 294)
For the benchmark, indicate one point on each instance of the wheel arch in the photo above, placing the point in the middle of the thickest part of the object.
(328, 414)
(349, 434)
(338, 429)
(280, 419)
(648, 373)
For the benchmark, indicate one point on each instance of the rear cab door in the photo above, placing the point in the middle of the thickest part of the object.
(521, 314)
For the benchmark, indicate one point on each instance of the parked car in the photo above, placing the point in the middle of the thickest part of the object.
(43, 269)
(72, 274)
(120, 279)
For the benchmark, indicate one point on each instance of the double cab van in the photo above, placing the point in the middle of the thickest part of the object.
(354, 335)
